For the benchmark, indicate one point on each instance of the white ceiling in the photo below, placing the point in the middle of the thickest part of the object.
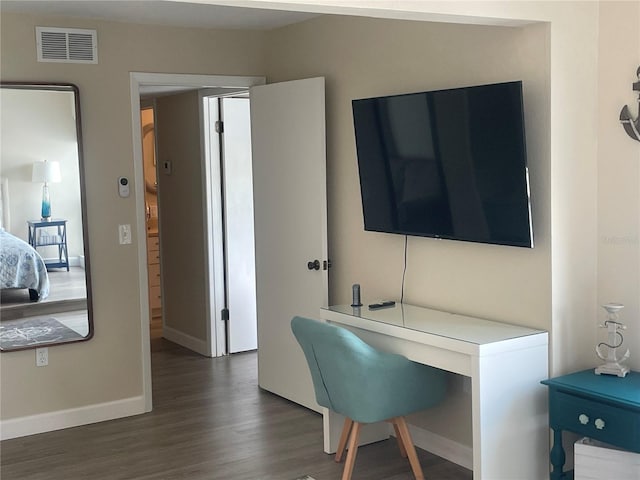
(161, 12)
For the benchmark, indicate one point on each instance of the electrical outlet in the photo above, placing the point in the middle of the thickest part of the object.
(42, 357)
(124, 232)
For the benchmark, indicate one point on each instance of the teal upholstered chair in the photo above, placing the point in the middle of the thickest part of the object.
(366, 385)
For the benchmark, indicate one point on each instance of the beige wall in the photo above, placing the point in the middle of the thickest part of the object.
(573, 267)
(619, 171)
(572, 92)
(371, 57)
(363, 58)
(181, 212)
(109, 367)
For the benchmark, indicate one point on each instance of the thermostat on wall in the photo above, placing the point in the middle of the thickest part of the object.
(123, 187)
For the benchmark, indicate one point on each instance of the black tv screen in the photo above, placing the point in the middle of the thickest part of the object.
(447, 164)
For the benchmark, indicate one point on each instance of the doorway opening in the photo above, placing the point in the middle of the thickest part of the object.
(208, 334)
(227, 203)
(149, 155)
(289, 189)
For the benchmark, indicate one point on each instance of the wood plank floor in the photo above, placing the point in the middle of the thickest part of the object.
(210, 421)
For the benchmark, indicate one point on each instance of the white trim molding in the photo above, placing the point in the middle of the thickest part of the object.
(446, 448)
(72, 417)
(192, 343)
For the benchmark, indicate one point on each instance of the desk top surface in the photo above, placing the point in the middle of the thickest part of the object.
(625, 391)
(450, 325)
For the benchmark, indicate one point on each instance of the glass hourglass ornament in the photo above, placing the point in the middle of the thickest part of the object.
(614, 341)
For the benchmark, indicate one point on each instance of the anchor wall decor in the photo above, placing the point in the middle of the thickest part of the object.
(613, 365)
(632, 125)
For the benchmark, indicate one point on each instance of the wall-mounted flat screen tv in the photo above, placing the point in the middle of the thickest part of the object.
(447, 164)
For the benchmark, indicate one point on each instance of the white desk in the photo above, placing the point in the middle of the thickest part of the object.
(505, 363)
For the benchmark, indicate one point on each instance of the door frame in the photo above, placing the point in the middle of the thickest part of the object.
(136, 80)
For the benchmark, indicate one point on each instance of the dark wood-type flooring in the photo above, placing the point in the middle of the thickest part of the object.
(210, 421)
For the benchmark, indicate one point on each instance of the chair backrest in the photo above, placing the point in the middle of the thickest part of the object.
(356, 380)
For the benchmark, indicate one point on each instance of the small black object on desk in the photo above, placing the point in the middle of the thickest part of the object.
(355, 290)
(376, 306)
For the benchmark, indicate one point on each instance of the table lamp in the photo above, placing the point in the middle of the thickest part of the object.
(46, 172)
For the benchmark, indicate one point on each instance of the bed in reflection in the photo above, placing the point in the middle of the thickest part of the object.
(22, 267)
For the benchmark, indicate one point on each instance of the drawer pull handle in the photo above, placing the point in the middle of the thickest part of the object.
(583, 419)
(599, 423)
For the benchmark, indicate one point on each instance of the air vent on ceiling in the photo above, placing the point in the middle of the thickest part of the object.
(67, 45)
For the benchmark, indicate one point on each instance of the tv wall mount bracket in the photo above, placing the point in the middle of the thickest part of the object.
(632, 125)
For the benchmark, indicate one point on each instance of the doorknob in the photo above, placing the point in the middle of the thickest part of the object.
(314, 265)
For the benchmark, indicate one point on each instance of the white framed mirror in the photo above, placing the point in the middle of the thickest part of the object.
(45, 288)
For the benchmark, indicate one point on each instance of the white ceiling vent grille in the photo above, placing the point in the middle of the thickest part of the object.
(67, 45)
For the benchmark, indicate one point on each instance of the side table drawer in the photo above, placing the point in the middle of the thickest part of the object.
(606, 423)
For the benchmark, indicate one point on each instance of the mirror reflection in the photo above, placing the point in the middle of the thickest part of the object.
(44, 289)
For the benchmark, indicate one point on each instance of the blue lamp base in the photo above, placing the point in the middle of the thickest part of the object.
(45, 212)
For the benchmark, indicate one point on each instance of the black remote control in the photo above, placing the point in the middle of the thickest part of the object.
(375, 306)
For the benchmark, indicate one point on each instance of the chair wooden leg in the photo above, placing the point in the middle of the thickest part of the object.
(403, 451)
(353, 451)
(410, 448)
(344, 436)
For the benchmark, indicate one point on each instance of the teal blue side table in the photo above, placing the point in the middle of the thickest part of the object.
(603, 407)
(59, 241)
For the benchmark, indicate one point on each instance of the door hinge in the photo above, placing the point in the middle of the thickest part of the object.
(219, 125)
(224, 314)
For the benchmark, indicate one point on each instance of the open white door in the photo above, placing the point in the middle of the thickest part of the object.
(290, 208)
(238, 231)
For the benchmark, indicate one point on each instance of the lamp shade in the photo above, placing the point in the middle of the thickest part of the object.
(46, 172)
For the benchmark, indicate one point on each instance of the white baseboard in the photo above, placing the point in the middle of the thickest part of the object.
(446, 448)
(73, 417)
(187, 341)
